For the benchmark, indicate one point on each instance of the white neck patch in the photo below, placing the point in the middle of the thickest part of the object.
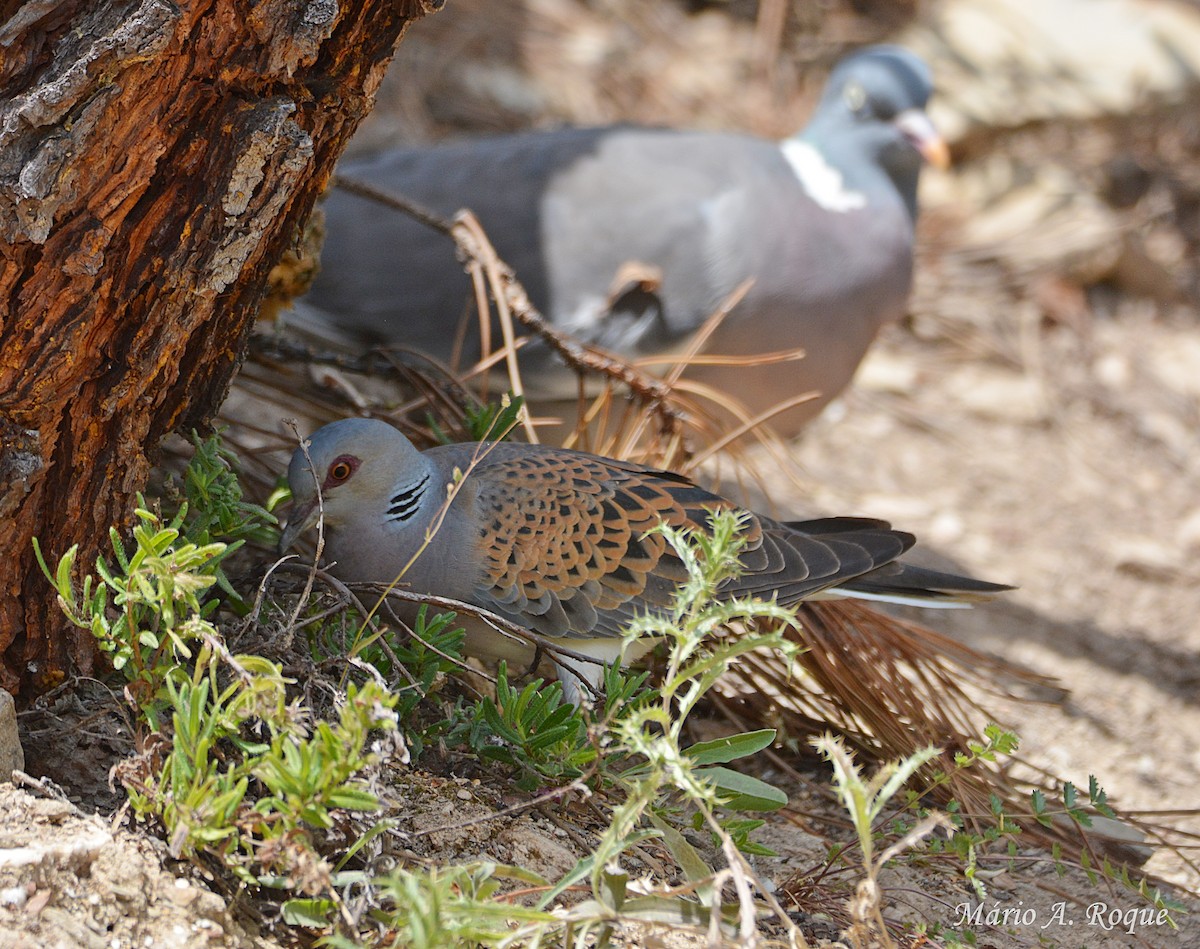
(820, 180)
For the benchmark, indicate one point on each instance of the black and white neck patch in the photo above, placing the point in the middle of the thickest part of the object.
(404, 503)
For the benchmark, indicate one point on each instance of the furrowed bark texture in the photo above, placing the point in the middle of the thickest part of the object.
(155, 160)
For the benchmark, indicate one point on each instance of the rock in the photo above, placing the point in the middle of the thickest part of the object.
(1175, 362)
(896, 508)
(1147, 559)
(1009, 63)
(1114, 371)
(1188, 532)
(887, 371)
(72, 880)
(1049, 224)
(12, 755)
(946, 528)
(1066, 66)
(531, 846)
(1150, 268)
(1167, 429)
(1000, 394)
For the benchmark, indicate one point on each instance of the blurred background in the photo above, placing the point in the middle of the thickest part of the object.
(1036, 417)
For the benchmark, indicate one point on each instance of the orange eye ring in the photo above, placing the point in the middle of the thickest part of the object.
(340, 470)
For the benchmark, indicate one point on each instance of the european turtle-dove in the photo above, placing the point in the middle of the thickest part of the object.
(557, 541)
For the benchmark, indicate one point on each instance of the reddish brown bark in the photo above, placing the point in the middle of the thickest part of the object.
(155, 160)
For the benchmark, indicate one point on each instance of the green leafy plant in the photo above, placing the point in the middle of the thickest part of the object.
(745, 793)
(651, 735)
(544, 739)
(633, 749)
(256, 808)
(532, 730)
(214, 507)
(446, 907)
(969, 839)
(492, 421)
(146, 611)
(415, 666)
(865, 800)
(234, 767)
(151, 603)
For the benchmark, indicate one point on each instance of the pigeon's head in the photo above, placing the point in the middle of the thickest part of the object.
(344, 470)
(873, 112)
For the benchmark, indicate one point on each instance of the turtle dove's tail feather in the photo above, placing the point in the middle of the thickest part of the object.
(909, 585)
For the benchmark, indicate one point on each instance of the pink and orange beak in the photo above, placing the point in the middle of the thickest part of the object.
(917, 128)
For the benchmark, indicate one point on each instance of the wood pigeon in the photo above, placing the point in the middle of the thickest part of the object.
(822, 222)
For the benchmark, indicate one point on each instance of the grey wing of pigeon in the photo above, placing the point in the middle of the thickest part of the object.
(393, 280)
(567, 210)
(673, 203)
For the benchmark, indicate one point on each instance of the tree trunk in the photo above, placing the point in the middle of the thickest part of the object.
(156, 158)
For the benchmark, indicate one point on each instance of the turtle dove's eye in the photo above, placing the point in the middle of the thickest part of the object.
(855, 96)
(340, 470)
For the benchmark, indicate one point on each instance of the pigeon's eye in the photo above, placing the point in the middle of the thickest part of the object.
(855, 97)
(340, 470)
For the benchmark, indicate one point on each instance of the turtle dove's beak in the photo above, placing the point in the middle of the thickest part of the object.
(300, 519)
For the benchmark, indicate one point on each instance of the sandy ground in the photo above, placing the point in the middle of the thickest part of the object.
(1079, 486)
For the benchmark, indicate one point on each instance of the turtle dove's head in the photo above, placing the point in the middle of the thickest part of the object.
(349, 468)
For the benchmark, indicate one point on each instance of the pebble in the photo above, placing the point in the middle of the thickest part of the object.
(889, 372)
(945, 528)
(1176, 364)
(1001, 395)
(1187, 534)
(1114, 371)
(1146, 558)
(12, 757)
